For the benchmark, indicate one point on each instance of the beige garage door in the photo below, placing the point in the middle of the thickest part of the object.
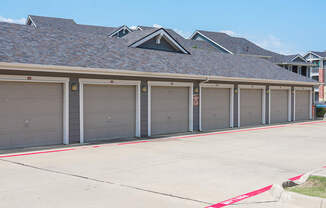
(279, 106)
(215, 109)
(302, 103)
(109, 112)
(169, 110)
(30, 114)
(250, 107)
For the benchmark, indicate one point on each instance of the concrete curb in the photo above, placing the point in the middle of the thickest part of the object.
(291, 199)
(299, 200)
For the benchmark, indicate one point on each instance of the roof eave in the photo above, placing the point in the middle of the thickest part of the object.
(119, 72)
(294, 63)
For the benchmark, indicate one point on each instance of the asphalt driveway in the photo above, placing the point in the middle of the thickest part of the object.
(191, 171)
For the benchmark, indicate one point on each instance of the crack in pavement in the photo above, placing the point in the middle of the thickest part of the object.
(107, 182)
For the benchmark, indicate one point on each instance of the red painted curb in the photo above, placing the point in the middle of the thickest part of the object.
(36, 153)
(295, 178)
(241, 197)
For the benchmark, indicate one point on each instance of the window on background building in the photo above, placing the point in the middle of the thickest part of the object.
(316, 96)
(304, 71)
(315, 78)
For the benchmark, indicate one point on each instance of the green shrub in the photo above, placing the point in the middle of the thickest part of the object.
(320, 112)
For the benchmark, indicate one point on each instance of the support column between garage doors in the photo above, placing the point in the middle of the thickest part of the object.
(251, 105)
(302, 103)
(108, 95)
(170, 107)
(37, 110)
(216, 106)
(279, 104)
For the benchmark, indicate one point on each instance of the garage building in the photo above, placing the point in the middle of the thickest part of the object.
(79, 84)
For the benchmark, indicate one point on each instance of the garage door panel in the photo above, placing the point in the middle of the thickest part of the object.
(109, 112)
(169, 110)
(250, 107)
(215, 108)
(279, 106)
(302, 104)
(31, 114)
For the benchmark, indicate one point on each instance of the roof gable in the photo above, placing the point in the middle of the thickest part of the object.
(120, 32)
(151, 39)
(298, 58)
(198, 35)
(69, 25)
(40, 21)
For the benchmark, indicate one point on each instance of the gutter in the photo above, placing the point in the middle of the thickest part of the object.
(295, 63)
(117, 72)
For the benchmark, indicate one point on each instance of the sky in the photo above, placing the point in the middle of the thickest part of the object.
(284, 26)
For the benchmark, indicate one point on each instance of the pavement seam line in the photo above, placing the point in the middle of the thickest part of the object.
(104, 181)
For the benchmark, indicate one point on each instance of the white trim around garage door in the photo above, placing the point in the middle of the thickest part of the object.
(82, 82)
(310, 100)
(40, 79)
(205, 85)
(263, 87)
(169, 84)
(269, 100)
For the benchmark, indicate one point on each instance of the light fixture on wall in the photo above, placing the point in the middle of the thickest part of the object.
(196, 90)
(144, 89)
(267, 91)
(74, 87)
(235, 91)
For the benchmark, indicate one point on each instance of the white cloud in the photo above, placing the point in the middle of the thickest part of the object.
(157, 26)
(229, 32)
(134, 27)
(275, 44)
(269, 42)
(185, 34)
(9, 20)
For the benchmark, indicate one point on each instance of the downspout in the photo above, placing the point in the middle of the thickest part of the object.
(207, 80)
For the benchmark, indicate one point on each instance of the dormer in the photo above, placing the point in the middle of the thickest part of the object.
(53, 22)
(155, 39)
(120, 32)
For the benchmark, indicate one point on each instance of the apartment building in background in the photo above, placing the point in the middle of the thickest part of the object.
(318, 59)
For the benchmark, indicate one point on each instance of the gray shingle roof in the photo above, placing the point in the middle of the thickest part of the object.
(322, 54)
(26, 44)
(70, 25)
(243, 46)
(41, 21)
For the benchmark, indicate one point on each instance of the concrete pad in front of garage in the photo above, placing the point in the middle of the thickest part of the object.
(188, 172)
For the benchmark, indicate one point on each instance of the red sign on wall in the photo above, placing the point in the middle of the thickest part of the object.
(196, 100)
